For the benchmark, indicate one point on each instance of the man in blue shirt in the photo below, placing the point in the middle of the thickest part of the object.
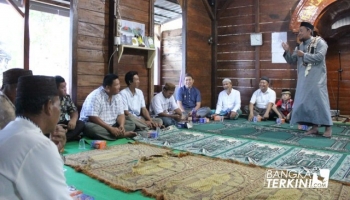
(189, 98)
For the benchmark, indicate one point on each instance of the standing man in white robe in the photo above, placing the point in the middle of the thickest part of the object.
(311, 105)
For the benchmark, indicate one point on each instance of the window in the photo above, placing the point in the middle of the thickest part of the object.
(49, 40)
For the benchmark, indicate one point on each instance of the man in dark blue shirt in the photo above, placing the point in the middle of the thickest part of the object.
(189, 98)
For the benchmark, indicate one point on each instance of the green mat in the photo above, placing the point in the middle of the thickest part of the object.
(264, 143)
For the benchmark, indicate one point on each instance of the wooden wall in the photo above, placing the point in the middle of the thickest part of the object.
(171, 56)
(90, 28)
(136, 60)
(89, 22)
(245, 64)
(197, 58)
(333, 65)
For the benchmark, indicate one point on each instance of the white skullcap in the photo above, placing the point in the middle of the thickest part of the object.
(226, 80)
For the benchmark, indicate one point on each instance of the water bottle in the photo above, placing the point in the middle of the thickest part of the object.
(278, 121)
(255, 119)
(157, 132)
(82, 143)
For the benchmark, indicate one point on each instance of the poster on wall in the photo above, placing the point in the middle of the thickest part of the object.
(130, 28)
(276, 46)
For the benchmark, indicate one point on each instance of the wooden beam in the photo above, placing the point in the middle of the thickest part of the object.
(226, 4)
(73, 49)
(214, 64)
(184, 38)
(63, 4)
(209, 11)
(111, 25)
(26, 35)
(151, 70)
(15, 7)
(257, 48)
(181, 3)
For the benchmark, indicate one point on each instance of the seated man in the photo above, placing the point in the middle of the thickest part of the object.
(103, 112)
(229, 101)
(8, 94)
(163, 105)
(69, 112)
(262, 101)
(7, 100)
(283, 107)
(189, 98)
(30, 165)
(134, 100)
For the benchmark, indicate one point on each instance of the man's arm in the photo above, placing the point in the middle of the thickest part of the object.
(73, 120)
(237, 101)
(251, 111)
(198, 105)
(145, 114)
(268, 109)
(179, 103)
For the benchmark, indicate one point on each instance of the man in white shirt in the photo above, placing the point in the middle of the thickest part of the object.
(229, 101)
(103, 112)
(30, 165)
(135, 106)
(262, 101)
(163, 105)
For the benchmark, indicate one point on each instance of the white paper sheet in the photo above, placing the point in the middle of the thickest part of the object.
(276, 46)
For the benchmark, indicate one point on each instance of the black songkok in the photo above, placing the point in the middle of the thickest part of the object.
(11, 76)
(36, 86)
(265, 78)
(307, 25)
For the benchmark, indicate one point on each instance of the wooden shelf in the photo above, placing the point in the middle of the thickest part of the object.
(151, 53)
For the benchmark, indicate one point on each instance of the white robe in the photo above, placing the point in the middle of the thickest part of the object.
(311, 103)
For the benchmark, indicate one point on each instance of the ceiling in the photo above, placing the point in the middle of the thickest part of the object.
(334, 22)
(166, 10)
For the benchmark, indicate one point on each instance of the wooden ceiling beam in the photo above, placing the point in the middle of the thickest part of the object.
(225, 5)
(208, 8)
(13, 4)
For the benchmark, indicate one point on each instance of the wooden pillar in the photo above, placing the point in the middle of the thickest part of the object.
(257, 48)
(26, 35)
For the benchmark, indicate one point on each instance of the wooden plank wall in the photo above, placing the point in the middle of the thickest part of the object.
(90, 45)
(198, 51)
(171, 60)
(236, 58)
(333, 65)
(136, 60)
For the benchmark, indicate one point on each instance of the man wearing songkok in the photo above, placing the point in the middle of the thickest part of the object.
(262, 101)
(30, 165)
(163, 105)
(69, 112)
(134, 100)
(311, 103)
(8, 94)
(103, 112)
(229, 101)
